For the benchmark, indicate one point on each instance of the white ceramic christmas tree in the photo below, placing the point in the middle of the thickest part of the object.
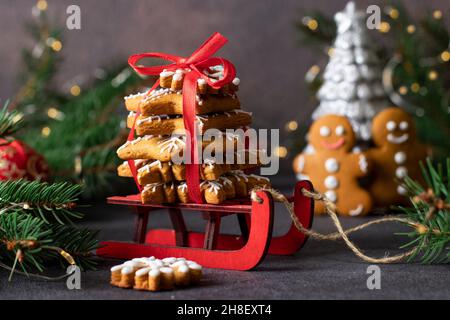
(352, 79)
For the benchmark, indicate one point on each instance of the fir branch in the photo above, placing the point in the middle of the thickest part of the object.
(10, 121)
(78, 242)
(431, 212)
(50, 202)
(32, 230)
(21, 238)
(322, 35)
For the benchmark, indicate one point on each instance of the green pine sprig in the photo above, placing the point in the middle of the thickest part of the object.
(10, 121)
(50, 202)
(431, 212)
(36, 228)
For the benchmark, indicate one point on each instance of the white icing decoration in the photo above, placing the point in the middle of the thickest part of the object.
(177, 76)
(166, 270)
(258, 177)
(331, 182)
(324, 131)
(209, 162)
(400, 157)
(401, 172)
(356, 212)
(154, 273)
(331, 195)
(331, 165)
(213, 186)
(173, 143)
(363, 163)
(397, 139)
(134, 264)
(131, 96)
(340, 130)
(124, 145)
(391, 125)
(178, 264)
(127, 270)
(156, 264)
(402, 190)
(194, 266)
(152, 186)
(169, 260)
(236, 81)
(166, 74)
(404, 125)
(239, 174)
(226, 180)
(142, 271)
(117, 268)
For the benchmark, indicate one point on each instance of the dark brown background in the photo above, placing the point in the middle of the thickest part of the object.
(263, 43)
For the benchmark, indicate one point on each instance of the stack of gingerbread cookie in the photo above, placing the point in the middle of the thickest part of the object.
(162, 140)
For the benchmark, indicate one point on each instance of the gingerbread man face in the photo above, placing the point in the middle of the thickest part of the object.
(393, 126)
(332, 133)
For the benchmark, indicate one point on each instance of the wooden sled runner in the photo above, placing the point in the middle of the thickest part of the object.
(210, 249)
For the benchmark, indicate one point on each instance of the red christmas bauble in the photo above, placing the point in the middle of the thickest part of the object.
(19, 161)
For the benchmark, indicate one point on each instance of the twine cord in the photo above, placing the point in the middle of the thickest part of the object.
(340, 233)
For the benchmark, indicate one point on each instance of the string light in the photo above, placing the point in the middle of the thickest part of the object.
(55, 114)
(445, 56)
(18, 117)
(56, 45)
(314, 69)
(437, 14)
(330, 51)
(311, 23)
(42, 5)
(432, 75)
(385, 27)
(403, 90)
(393, 13)
(415, 87)
(292, 125)
(75, 90)
(53, 43)
(411, 28)
(46, 131)
(312, 73)
(281, 152)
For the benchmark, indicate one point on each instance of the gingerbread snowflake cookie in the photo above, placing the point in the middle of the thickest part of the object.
(397, 153)
(153, 274)
(333, 168)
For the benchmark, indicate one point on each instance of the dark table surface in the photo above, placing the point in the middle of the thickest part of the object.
(320, 270)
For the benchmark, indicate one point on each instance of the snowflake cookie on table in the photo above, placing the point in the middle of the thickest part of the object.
(151, 274)
(397, 153)
(333, 168)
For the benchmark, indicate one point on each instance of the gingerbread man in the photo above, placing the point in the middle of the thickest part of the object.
(333, 168)
(397, 153)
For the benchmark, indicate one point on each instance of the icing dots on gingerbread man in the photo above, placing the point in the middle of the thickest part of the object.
(333, 168)
(397, 153)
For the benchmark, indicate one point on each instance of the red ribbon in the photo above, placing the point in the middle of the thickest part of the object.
(199, 61)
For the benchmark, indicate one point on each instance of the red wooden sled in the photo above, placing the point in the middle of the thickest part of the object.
(210, 249)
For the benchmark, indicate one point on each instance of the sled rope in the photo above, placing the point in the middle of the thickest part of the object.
(340, 233)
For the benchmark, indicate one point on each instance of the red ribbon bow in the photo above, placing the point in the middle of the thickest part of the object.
(199, 61)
